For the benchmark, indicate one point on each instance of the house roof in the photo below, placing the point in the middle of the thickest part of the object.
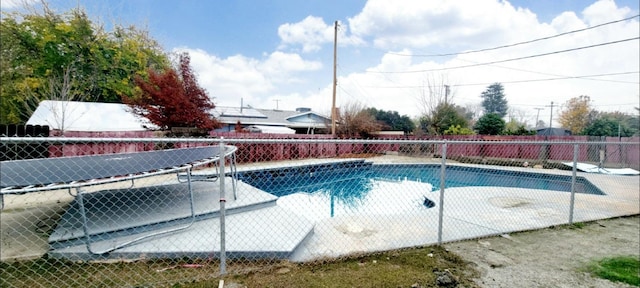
(271, 129)
(269, 117)
(86, 116)
(553, 131)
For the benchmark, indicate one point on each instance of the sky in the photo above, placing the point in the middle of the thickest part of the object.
(393, 55)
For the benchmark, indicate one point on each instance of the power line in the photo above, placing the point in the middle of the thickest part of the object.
(553, 74)
(584, 77)
(506, 60)
(514, 44)
(561, 78)
(557, 96)
(538, 114)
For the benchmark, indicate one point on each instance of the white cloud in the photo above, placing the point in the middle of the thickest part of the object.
(238, 77)
(311, 33)
(12, 4)
(567, 21)
(418, 24)
(279, 65)
(604, 10)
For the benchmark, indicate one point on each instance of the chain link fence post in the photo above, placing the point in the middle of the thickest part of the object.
(573, 182)
(443, 173)
(223, 256)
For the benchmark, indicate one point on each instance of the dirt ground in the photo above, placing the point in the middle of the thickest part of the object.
(551, 257)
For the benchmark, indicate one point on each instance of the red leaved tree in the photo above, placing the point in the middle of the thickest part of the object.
(173, 98)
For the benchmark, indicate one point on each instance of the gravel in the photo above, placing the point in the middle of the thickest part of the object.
(552, 257)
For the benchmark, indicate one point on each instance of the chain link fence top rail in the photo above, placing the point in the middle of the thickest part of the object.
(94, 212)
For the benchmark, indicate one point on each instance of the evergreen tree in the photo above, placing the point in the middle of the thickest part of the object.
(494, 101)
(391, 120)
(490, 124)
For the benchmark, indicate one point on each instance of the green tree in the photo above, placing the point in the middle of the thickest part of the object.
(445, 116)
(38, 48)
(518, 130)
(629, 123)
(494, 101)
(577, 114)
(391, 120)
(490, 124)
(609, 124)
(457, 130)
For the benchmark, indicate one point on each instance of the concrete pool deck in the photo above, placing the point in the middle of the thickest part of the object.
(472, 212)
(469, 212)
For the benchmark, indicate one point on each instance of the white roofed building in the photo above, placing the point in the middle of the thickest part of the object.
(87, 116)
(300, 121)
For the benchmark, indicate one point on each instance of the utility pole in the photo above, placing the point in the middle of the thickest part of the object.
(277, 102)
(335, 80)
(550, 119)
(446, 94)
(537, 115)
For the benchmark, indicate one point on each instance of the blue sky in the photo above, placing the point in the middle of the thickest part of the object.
(279, 53)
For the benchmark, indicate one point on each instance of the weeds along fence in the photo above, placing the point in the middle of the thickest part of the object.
(131, 212)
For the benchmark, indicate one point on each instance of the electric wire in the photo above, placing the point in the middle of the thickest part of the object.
(529, 80)
(557, 75)
(515, 44)
(505, 60)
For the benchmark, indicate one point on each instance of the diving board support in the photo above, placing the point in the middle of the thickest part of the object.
(213, 177)
(87, 234)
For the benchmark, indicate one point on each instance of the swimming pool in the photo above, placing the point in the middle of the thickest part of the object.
(356, 187)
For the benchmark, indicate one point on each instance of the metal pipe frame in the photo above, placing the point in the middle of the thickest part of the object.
(229, 151)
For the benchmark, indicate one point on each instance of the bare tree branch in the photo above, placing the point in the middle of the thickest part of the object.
(436, 90)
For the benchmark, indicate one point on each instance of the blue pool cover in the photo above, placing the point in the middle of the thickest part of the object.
(46, 171)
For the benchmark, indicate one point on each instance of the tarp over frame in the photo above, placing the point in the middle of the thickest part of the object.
(590, 168)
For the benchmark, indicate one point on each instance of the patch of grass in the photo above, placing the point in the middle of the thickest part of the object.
(624, 269)
(577, 225)
(398, 268)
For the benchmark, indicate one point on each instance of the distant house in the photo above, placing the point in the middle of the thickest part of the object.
(86, 116)
(300, 121)
(95, 116)
(553, 132)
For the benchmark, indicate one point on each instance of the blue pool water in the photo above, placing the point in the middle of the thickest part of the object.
(358, 185)
(350, 176)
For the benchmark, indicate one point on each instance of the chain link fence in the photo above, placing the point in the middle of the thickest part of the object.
(131, 212)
